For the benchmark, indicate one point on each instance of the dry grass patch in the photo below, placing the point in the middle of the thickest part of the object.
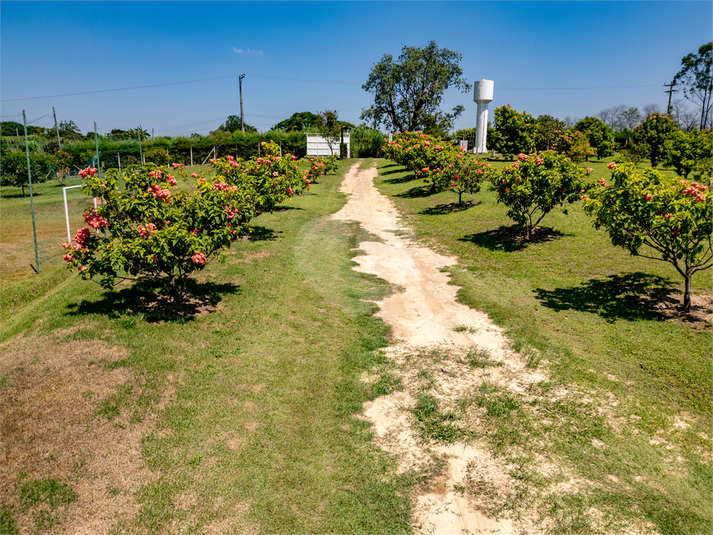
(62, 422)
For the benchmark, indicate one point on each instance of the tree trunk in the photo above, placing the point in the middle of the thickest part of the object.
(460, 194)
(687, 294)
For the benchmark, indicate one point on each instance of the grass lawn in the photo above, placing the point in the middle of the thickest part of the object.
(587, 311)
(236, 421)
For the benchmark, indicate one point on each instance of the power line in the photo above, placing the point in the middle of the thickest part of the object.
(572, 88)
(120, 89)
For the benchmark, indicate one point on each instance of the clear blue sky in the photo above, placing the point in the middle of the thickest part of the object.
(557, 58)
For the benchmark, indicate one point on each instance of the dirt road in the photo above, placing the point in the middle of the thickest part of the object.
(423, 314)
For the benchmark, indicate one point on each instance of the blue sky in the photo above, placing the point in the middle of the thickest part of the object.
(557, 58)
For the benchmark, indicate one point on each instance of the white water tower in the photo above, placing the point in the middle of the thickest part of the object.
(482, 95)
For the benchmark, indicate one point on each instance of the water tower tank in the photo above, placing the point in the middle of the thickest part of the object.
(483, 94)
(483, 91)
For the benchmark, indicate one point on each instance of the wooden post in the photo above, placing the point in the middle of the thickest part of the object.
(59, 143)
(191, 155)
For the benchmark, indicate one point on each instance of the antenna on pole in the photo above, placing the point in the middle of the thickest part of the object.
(670, 91)
(242, 116)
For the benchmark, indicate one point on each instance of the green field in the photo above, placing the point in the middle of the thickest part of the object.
(244, 419)
(602, 323)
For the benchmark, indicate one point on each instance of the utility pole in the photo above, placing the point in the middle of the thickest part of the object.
(242, 116)
(56, 128)
(670, 91)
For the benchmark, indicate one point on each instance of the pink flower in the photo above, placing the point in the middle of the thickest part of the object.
(590, 170)
(67, 257)
(275, 173)
(172, 180)
(539, 160)
(582, 197)
(82, 236)
(194, 175)
(668, 216)
(94, 220)
(602, 182)
(611, 165)
(82, 268)
(648, 197)
(521, 156)
(198, 258)
(700, 197)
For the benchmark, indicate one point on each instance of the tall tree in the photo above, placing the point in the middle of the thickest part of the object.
(513, 132)
(233, 123)
(548, 128)
(601, 137)
(696, 77)
(408, 92)
(297, 122)
(653, 133)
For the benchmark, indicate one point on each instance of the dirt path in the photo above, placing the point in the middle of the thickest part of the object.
(422, 315)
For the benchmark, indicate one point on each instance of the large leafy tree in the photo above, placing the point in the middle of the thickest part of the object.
(601, 137)
(548, 129)
(689, 151)
(513, 132)
(696, 77)
(233, 124)
(653, 133)
(408, 91)
(297, 122)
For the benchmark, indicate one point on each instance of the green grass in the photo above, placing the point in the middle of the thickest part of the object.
(572, 305)
(261, 420)
(49, 491)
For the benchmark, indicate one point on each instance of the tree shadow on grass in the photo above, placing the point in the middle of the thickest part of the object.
(629, 296)
(449, 208)
(400, 180)
(416, 192)
(20, 195)
(388, 165)
(512, 238)
(263, 233)
(142, 298)
(284, 208)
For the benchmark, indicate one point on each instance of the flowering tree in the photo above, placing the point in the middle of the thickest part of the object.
(671, 217)
(267, 180)
(574, 144)
(151, 231)
(459, 172)
(534, 185)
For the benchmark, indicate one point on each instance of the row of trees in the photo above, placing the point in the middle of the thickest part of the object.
(154, 230)
(647, 213)
(657, 138)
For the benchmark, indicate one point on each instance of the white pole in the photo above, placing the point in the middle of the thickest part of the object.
(66, 210)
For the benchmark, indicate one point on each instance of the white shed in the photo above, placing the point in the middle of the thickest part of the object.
(318, 145)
